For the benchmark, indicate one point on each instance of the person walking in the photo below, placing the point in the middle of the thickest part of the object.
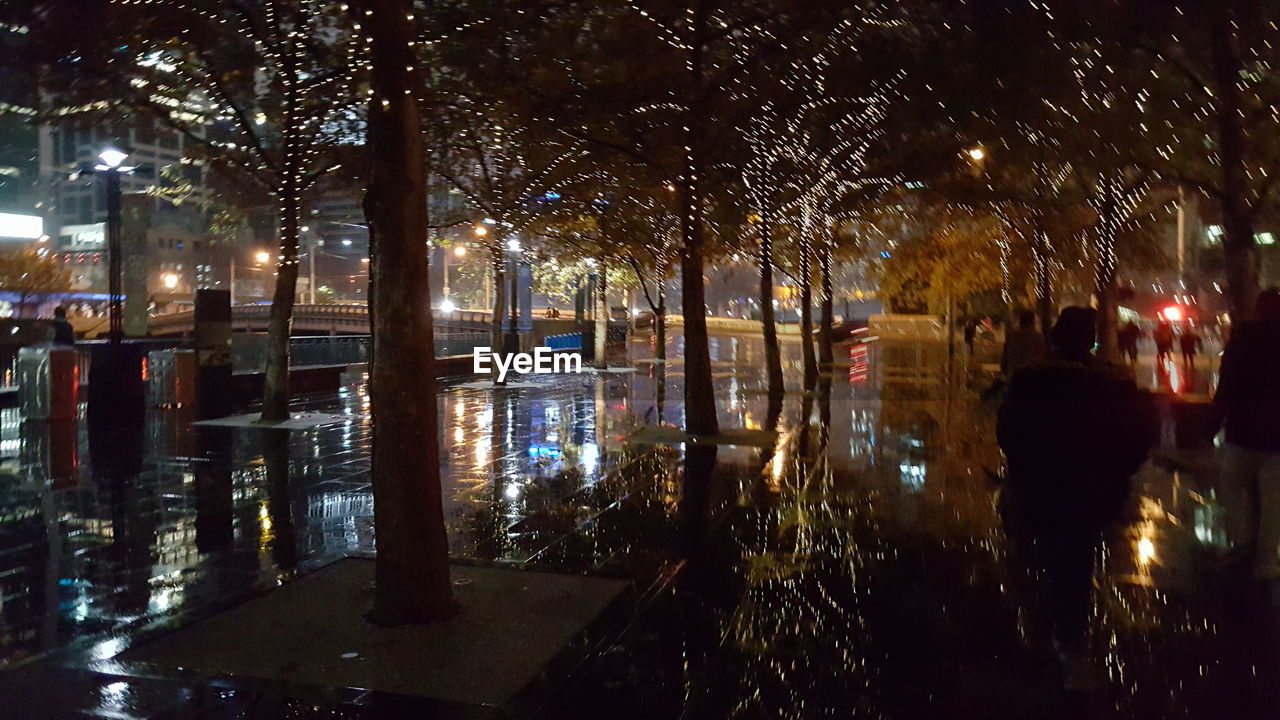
(1245, 406)
(1190, 343)
(1074, 430)
(1127, 338)
(1023, 346)
(63, 333)
(1163, 336)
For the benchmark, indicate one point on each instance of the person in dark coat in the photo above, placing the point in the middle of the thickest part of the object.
(1190, 344)
(1074, 430)
(1127, 338)
(1163, 336)
(1247, 403)
(63, 333)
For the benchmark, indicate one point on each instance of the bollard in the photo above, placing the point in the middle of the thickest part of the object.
(214, 397)
(117, 386)
(48, 382)
(171, 380)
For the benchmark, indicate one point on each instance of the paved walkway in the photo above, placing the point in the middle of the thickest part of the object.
(858, 569)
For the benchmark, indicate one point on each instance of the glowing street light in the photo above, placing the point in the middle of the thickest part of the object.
(112, 159)
(481, 231)
(976, 154)
(448, 305)
(111, 166)
(169, 280)
(263, 257)
(460, 250)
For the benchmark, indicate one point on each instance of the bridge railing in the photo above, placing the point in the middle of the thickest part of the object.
(353, 318)
(249, 350)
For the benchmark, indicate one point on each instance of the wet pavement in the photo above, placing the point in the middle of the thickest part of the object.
(857, 568)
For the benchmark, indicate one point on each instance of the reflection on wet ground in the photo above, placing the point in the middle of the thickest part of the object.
(856, 569)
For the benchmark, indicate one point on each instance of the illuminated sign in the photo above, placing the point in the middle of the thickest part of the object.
(21, 227)
(85, 236)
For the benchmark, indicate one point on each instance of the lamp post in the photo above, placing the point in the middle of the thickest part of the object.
(117, 386)
(111, 166)
(512, 340)
(459, 251)
(261, 257)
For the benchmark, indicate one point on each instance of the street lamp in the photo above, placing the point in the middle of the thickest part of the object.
(976, 154)
(112, 166)
(169, 280)
(513, 334)
(112, 159)
(261, 257)
(458, 251)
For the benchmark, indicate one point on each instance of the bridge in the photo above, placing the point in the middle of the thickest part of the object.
(329, 319)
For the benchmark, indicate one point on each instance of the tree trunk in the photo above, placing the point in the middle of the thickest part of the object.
(499, 276)
(768, 317)
(1239, 251)
(806, 315)
(412, 575)
(275, 398)
(1044, 285)
(660, 323)
(602, 318)
(1108, 319)
(826, 353)
(699, 393)
(499, 299)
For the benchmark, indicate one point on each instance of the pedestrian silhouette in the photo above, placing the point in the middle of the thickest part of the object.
(1164, 341)
(63, 333)
(1074, 430)
(1246, 402)
(1190, 343)
(1127, 338)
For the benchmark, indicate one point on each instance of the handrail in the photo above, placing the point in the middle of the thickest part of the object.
(333, 315)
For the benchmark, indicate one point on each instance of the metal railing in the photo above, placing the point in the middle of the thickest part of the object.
(461, 343)
(353, 318)
(249, 350)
